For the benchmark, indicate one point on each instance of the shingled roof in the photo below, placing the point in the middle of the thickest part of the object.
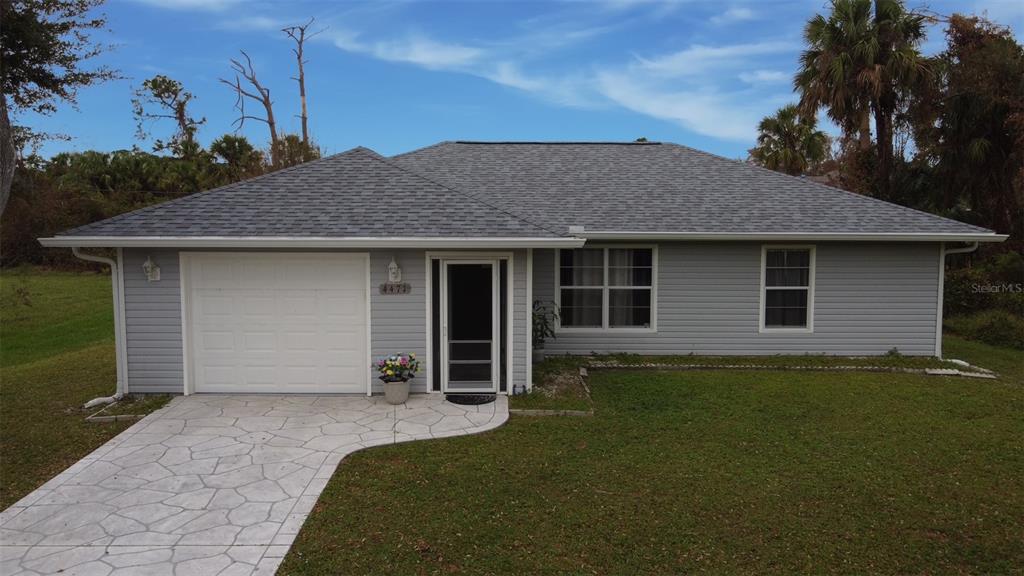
(659, 187)
(355, 194)
(521, 190)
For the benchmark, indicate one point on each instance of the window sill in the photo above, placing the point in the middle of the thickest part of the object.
(765, 330)
(651, 330)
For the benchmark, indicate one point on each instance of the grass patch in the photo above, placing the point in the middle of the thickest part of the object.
(1007, 363)
(892, 360)
(56, 353)
(46, 313)
(41, 418)
(701, 471)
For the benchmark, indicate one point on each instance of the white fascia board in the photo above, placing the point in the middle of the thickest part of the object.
(302, 242)
(797, 236)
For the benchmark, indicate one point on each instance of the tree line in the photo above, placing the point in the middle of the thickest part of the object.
(942, 133)
(46, 47)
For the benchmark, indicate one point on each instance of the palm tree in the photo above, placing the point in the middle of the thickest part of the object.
(862, 60)
(789, 142)
(837, 55)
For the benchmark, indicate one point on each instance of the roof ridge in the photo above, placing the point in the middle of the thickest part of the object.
(393, 164)
(550, 143)
(422, 148)
(828, 186)
(212, 190)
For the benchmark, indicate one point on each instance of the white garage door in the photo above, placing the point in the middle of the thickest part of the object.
(277, 323)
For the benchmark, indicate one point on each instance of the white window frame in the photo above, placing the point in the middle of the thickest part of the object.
(604, 288)
(812, 252)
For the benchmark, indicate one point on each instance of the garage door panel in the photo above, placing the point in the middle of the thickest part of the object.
(210, 340)
(210, 304)
(277, 323)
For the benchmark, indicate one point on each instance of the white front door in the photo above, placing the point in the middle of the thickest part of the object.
(276, 322)
(470, 326)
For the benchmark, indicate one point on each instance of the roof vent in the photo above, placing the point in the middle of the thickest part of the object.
(575, 229)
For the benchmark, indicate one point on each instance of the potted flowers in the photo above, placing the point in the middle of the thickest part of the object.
(396, 371)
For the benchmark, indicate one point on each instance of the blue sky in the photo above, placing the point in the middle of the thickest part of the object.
(394, 76)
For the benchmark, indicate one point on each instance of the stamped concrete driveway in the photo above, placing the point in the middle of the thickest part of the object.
(211, 484)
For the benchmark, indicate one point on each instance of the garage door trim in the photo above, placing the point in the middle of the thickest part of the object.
(184, 266)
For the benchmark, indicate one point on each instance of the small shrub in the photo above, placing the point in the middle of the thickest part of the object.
(995, 327)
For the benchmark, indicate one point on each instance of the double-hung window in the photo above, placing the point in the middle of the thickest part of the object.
(787, 298)
(606, 288)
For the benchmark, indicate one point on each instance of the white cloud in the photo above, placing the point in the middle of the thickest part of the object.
(418, 50)
(257, 23)
(698, 58)
(704, 111)
(765, 77)
(734, 14)
(204, 5)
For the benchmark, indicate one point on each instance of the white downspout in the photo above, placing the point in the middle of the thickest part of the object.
(115, 281)
(943, 252)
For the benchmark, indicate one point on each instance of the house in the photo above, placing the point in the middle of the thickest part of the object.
(294, 281)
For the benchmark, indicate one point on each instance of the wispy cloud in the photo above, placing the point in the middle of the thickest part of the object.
(719, 90)
(252, 23)
(698, 58)
(417, 49)
(204, 5)
(704, 111)
(765, 77)
(734, 14)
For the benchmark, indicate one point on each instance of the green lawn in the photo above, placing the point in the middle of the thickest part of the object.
(702, 471)
(56, 353)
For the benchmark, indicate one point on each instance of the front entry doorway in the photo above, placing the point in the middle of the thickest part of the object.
(470, 330)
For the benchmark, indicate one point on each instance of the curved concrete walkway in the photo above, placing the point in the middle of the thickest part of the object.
(211, 484)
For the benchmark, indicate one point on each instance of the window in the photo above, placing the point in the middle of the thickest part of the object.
(787, 299)
(606, 287)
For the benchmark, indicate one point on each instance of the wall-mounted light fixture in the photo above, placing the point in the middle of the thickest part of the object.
(151, 269)
(394, 272)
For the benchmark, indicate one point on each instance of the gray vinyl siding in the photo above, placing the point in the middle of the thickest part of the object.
(398, 321)
(153, 323)
(521, 319)
(869, 298)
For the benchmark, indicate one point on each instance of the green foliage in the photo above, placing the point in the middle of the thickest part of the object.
(75, 188)
(992, 284)
(239, 159)
(290, 150)
(969, 125)
(862, 60)
(996, 327)
(790, 143)
(171, 100)
(43, 44)
(545, 314)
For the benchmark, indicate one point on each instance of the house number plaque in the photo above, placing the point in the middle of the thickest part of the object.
(395, 288)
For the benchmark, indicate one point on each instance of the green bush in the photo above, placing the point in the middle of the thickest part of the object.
(995, 327)
(991, 284)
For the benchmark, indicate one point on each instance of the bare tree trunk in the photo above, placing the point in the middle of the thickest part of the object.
(883, 125)
(261, 95)
(298, 34)
(8, 158)
(864, 132)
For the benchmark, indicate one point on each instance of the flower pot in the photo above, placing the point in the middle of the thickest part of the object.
(396, 392)
(538, 354)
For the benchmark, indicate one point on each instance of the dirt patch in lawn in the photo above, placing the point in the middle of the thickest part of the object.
(559, 391)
